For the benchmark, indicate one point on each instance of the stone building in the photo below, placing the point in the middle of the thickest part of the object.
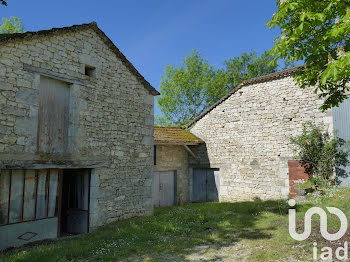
(76, 134)
(183, 173)
(247, 134)
(242, 148)
(172, 169)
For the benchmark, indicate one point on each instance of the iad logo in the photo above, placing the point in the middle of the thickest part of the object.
(327, 251)
(323, 225)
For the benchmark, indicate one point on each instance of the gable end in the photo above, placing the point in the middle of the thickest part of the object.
(4, 38)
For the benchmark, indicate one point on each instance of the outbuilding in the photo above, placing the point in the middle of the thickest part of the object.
(76, 134)
(247, 135)
(180, 175)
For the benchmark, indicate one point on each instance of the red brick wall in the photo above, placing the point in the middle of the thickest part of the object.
(296, 172)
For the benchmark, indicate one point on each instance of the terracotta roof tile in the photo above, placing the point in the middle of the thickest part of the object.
(174, 136)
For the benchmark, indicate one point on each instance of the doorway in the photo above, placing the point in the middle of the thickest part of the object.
(206, 185)
(75, 201)
(164, 188)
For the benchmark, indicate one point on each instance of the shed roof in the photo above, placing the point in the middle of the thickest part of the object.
(174, 136)
(29, 35)
(255, 80)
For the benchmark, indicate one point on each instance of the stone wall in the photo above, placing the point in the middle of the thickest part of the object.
(247, 137)
(175, 157)
(111, 116)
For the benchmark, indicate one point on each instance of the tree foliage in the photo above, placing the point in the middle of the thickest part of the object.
(11, 26)
(188, 89)
(318, 33)
(319, 153)
(249, 65)
(3, 2)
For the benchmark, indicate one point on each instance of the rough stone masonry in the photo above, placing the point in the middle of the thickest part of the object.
(247, 135)
(110, 114)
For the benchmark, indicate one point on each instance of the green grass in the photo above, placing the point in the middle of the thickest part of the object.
(305, 185)
(174, 231)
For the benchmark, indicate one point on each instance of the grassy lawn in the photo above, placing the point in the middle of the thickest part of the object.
(175, 233)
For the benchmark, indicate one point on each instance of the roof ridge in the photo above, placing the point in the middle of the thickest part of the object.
(98, 31)
(255, 80)
(15, 36)
(274, 75)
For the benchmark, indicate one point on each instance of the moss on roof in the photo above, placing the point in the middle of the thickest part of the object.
(174, 136)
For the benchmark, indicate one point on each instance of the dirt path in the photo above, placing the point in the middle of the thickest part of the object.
(212, 252)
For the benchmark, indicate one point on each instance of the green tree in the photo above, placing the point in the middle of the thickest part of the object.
(249, 65)
(319, 153)
(189, 89)
(3, 2)
(318, 33)
(11, 26)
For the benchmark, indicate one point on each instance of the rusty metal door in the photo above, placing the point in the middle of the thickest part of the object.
(53, 116)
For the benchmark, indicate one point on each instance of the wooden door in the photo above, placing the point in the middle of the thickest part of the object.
(156, 189)
(164, 188)
(199, 185)
(206, 184)
(53, 116)
(213, 185)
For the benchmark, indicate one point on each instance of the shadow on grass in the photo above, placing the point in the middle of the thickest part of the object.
(172, 231)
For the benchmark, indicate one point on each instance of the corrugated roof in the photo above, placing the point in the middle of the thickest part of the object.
(28, 35)
(174, 136)
(255, 80)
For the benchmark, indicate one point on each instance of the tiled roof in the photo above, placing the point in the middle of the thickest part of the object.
(255, 80)
(28, 35)
(174, 136)
(272, 76)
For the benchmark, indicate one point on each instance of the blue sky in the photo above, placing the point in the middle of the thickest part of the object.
(154, 33)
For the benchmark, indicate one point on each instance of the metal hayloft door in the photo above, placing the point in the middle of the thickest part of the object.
(164, 188)
(341, 122)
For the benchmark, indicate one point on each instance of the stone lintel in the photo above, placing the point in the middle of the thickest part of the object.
(52, 74)
(59, 164)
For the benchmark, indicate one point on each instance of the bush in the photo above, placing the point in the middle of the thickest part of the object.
(319, 153)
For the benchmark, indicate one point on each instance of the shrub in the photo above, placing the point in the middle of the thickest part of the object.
(319, 153)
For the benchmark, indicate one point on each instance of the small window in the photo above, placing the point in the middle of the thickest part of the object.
(90, 71)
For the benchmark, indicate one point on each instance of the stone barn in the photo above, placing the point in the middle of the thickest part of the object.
(171, 184)
(247, 135)
(182, 173)
(76, 134)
